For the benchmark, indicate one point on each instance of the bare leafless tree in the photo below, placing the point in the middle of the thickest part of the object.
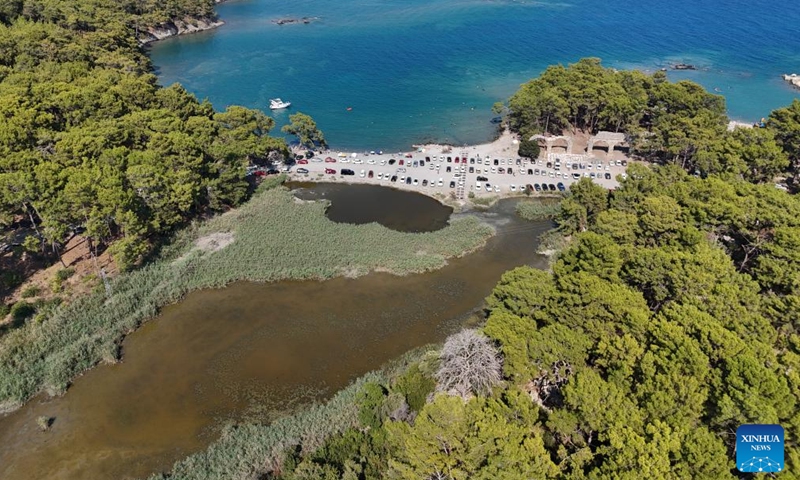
(470, 365)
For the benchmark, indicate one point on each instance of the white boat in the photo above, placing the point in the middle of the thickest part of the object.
(277, 104)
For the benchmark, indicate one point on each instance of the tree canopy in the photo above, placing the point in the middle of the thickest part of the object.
(89, 141)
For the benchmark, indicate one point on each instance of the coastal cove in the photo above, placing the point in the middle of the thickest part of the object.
(232, 354)
(423, 72)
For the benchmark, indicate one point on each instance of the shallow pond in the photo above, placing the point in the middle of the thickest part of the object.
(250, 350)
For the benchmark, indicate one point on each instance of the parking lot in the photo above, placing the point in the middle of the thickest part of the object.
(461, 175)
(486, 170)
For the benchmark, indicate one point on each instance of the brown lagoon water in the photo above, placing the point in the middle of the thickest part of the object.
(250, 350)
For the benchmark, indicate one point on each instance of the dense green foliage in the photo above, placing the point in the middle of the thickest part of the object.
(87, 138)
(658, 332)
(528, 148)
(305, 129)
(50, 352)
(666, 122)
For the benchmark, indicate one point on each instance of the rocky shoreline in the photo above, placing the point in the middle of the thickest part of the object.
(178, 27)
(793, 79)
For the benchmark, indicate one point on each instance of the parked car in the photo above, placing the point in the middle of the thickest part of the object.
(449, 169)
(608, 176)
(380, 175)
(415, 182)
(391, 161)
(452, 184)
(537, 187)
(330, 171)
(529, 187)
(501, 170)
(408, 181)
(471, 169)
(330, 160)
(362, 174)
(347, 171)
(488, 187)
(401, 162)
(561, 187)
(370, 174)
(394, 178)
(552, 187)
(302, 162)
(513, 187)
(302, 170)
(425, 183)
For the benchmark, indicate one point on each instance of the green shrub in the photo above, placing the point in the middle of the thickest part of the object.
(415, 386)
(4, 309)
(10, 280)
(31, 291)
(65, 273)
(370, 405)
(22, 311)
(528, 148)
(57, 283)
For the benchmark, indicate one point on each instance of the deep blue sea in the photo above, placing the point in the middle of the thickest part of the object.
(422, 70)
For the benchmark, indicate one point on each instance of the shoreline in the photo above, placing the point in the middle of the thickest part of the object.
(177, 27)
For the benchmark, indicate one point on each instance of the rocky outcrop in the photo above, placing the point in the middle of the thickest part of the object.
(290, 21)
(793, 79)
(178, 27)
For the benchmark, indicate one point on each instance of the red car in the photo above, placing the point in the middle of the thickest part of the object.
(400, 162)
(302, 162)
(330, 171)
(330, 160)
(408, 155)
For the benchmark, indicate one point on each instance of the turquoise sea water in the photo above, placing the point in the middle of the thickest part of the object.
(420, 70)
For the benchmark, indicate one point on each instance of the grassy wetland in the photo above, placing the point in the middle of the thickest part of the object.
(272, 237)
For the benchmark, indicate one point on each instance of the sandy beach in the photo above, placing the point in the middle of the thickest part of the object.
(460, 167)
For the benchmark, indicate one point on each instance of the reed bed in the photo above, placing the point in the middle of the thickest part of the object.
(539, 209)
(275, 237)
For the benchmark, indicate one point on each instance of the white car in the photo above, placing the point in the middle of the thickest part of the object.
(624, 175)
(403, 179)
(316, 159)
(494, 170)
(358, 160)
(552, 175)
(371, 161)
(380, 175)
(383, 162)
(477, 185)
(488, 188)
(415, 182)
(345, 160)
(497, 188)
(362, 174)
(440, 182)
(513, 187)
(608, 168)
